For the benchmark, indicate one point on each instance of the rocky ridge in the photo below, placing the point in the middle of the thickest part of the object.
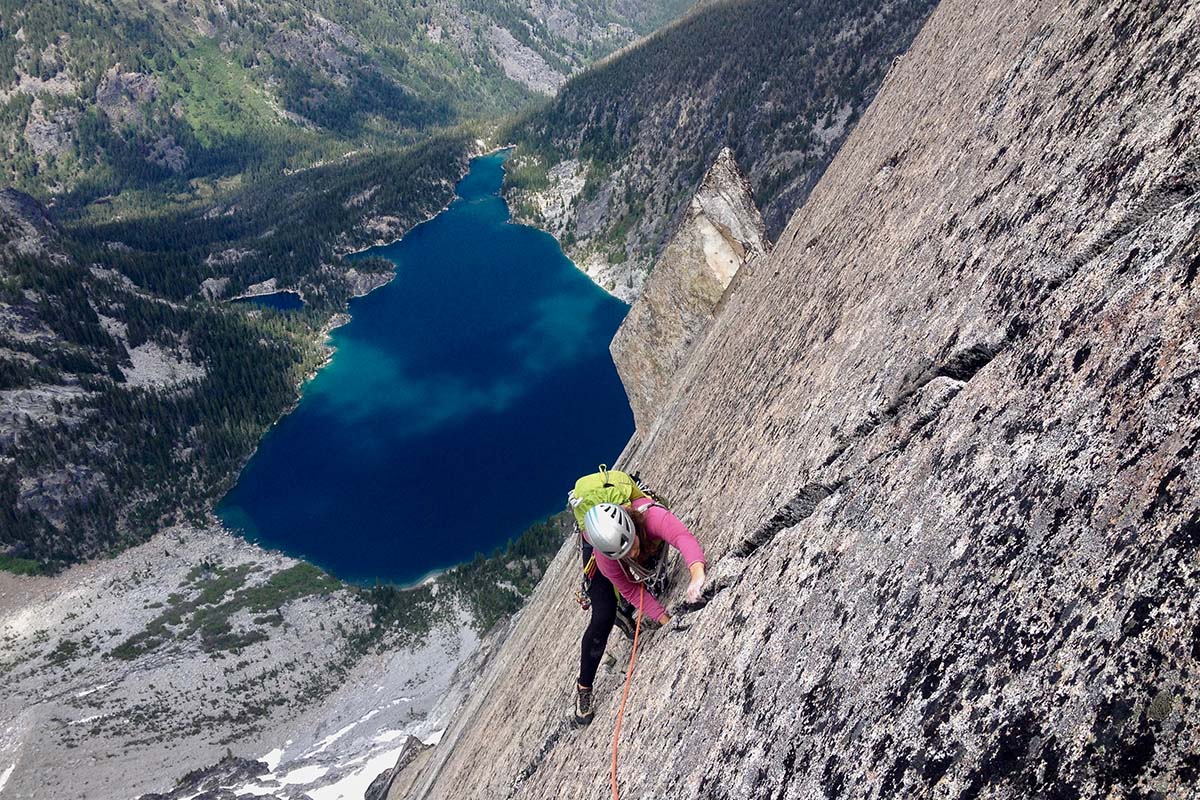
(781, 82)
(940, 449)
(721, 231)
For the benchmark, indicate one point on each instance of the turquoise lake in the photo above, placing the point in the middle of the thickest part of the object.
(462, 402)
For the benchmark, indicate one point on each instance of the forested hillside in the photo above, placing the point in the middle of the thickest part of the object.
(127, 401)
(611, 162)
(102, 95)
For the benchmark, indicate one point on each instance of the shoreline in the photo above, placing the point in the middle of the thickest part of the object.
(321, 339)
(580, 263)
(250, 294)
(428, 578)
(341, 318)
(359, 250)
(589, 262)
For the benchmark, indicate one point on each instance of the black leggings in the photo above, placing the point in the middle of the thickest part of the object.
(604, 613)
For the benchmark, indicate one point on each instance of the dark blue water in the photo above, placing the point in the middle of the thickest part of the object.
(280, 301)
(464, 399)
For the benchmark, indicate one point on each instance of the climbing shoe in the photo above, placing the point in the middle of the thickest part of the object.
(624, 622)
(583, 705)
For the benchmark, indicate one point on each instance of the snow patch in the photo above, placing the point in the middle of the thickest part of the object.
(256, 789)
(323, 745)
(273, 758)
(354, 786)
(85, 719)
(304, 775)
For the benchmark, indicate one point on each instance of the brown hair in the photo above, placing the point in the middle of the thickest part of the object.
(646, 544)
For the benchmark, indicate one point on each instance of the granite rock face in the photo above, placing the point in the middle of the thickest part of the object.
(26, 225)
(940, 447)
(721, 231)
(123, 95)
(50, 132)
(209, 781)
(395, 781)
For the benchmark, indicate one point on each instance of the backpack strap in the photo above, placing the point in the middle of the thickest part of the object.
(652, 504)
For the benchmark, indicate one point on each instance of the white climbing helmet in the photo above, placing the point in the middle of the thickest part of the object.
(609, 529)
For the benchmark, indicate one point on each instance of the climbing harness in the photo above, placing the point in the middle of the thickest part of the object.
(625, 694)
(654, 579)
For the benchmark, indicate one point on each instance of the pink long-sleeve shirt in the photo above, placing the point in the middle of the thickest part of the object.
(660, 524)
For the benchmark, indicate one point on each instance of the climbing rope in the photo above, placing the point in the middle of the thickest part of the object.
(625, 694)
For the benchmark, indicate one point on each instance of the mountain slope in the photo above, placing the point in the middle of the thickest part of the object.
(149, 667)
(940, 450)
(116, 404)
(104, 94)
(721, 230)
(610, 165)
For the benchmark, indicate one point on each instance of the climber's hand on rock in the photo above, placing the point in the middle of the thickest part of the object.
(696, 587)
(664, 619)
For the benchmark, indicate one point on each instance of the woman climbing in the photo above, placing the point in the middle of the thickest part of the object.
(627, 541)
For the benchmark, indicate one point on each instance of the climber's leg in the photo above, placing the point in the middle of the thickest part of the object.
(595, 637)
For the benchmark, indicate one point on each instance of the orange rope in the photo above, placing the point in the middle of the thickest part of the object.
(625, 694)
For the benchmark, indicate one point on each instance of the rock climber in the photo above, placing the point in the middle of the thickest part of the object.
(628, 545)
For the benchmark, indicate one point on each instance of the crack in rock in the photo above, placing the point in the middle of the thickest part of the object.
(706, 597)
(963, 365)
(733, 566)
(802, 504)
(537, 760)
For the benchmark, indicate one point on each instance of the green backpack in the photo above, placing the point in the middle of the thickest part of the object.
(605, 486)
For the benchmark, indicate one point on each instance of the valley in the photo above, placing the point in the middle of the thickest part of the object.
(304, 333)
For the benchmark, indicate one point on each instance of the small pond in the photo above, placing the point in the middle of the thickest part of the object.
(280, 301)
